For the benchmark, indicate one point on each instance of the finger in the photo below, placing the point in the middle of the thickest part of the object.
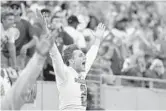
(102, 26)
(99, 26)
(92, 32)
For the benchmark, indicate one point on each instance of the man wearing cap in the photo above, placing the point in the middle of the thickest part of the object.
(78, 38)
(24, 42)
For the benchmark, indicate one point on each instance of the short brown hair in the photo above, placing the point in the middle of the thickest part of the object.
(68, 53)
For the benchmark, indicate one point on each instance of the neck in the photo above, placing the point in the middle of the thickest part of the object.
(17, 18)
(73, 26)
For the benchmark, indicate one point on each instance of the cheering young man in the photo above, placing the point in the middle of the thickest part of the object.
(71, 72)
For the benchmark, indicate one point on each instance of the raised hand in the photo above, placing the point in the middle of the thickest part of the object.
(44, 44)
(42, 21)
(99, 33)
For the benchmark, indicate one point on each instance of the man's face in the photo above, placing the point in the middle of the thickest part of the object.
(56, 23)
(16, 10)
(79, 60)
(159, 68)
(93, 23)
(9, 21)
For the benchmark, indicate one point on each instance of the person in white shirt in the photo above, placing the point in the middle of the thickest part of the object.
(8, 35)
(71, 72)
(77, 36)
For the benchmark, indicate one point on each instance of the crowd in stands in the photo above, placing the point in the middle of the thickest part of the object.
(134, 43)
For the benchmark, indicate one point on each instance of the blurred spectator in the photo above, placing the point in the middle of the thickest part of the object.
(129, 63)
(88, 32)
(24, 42)
(136, 70)
(78, 38)
(156, 70)
(117, 59)
(63, 38)
(161, 43)
(8, 35)
(102, 64)
(135, 33)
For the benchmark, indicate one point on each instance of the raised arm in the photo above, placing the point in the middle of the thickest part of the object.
(92, 53)
(57, 61)
(58, 64)
(16, 96)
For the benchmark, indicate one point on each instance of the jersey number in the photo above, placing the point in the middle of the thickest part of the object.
(83, 95)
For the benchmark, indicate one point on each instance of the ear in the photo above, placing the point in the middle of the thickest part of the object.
(71, 61)
(2, 20)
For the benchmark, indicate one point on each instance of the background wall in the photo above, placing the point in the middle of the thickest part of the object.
(116, 98)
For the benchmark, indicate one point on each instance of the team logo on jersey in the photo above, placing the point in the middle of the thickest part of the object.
(83, 89)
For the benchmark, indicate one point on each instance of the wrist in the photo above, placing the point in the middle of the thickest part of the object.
(25, 46)
(40, 54)
(97, 41)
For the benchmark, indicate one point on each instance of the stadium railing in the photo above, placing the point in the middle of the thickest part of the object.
(119, 80)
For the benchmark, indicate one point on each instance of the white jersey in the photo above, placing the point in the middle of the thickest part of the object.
(73, 91)
(71, 85)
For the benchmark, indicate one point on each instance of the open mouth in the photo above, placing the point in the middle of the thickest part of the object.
(83, 63)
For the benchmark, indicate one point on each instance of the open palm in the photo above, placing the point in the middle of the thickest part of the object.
(99, 33)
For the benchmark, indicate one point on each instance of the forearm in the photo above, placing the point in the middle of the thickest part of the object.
(91, 55)
(31, 43)
(12, 53)
(57, 62)
(15, 97)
